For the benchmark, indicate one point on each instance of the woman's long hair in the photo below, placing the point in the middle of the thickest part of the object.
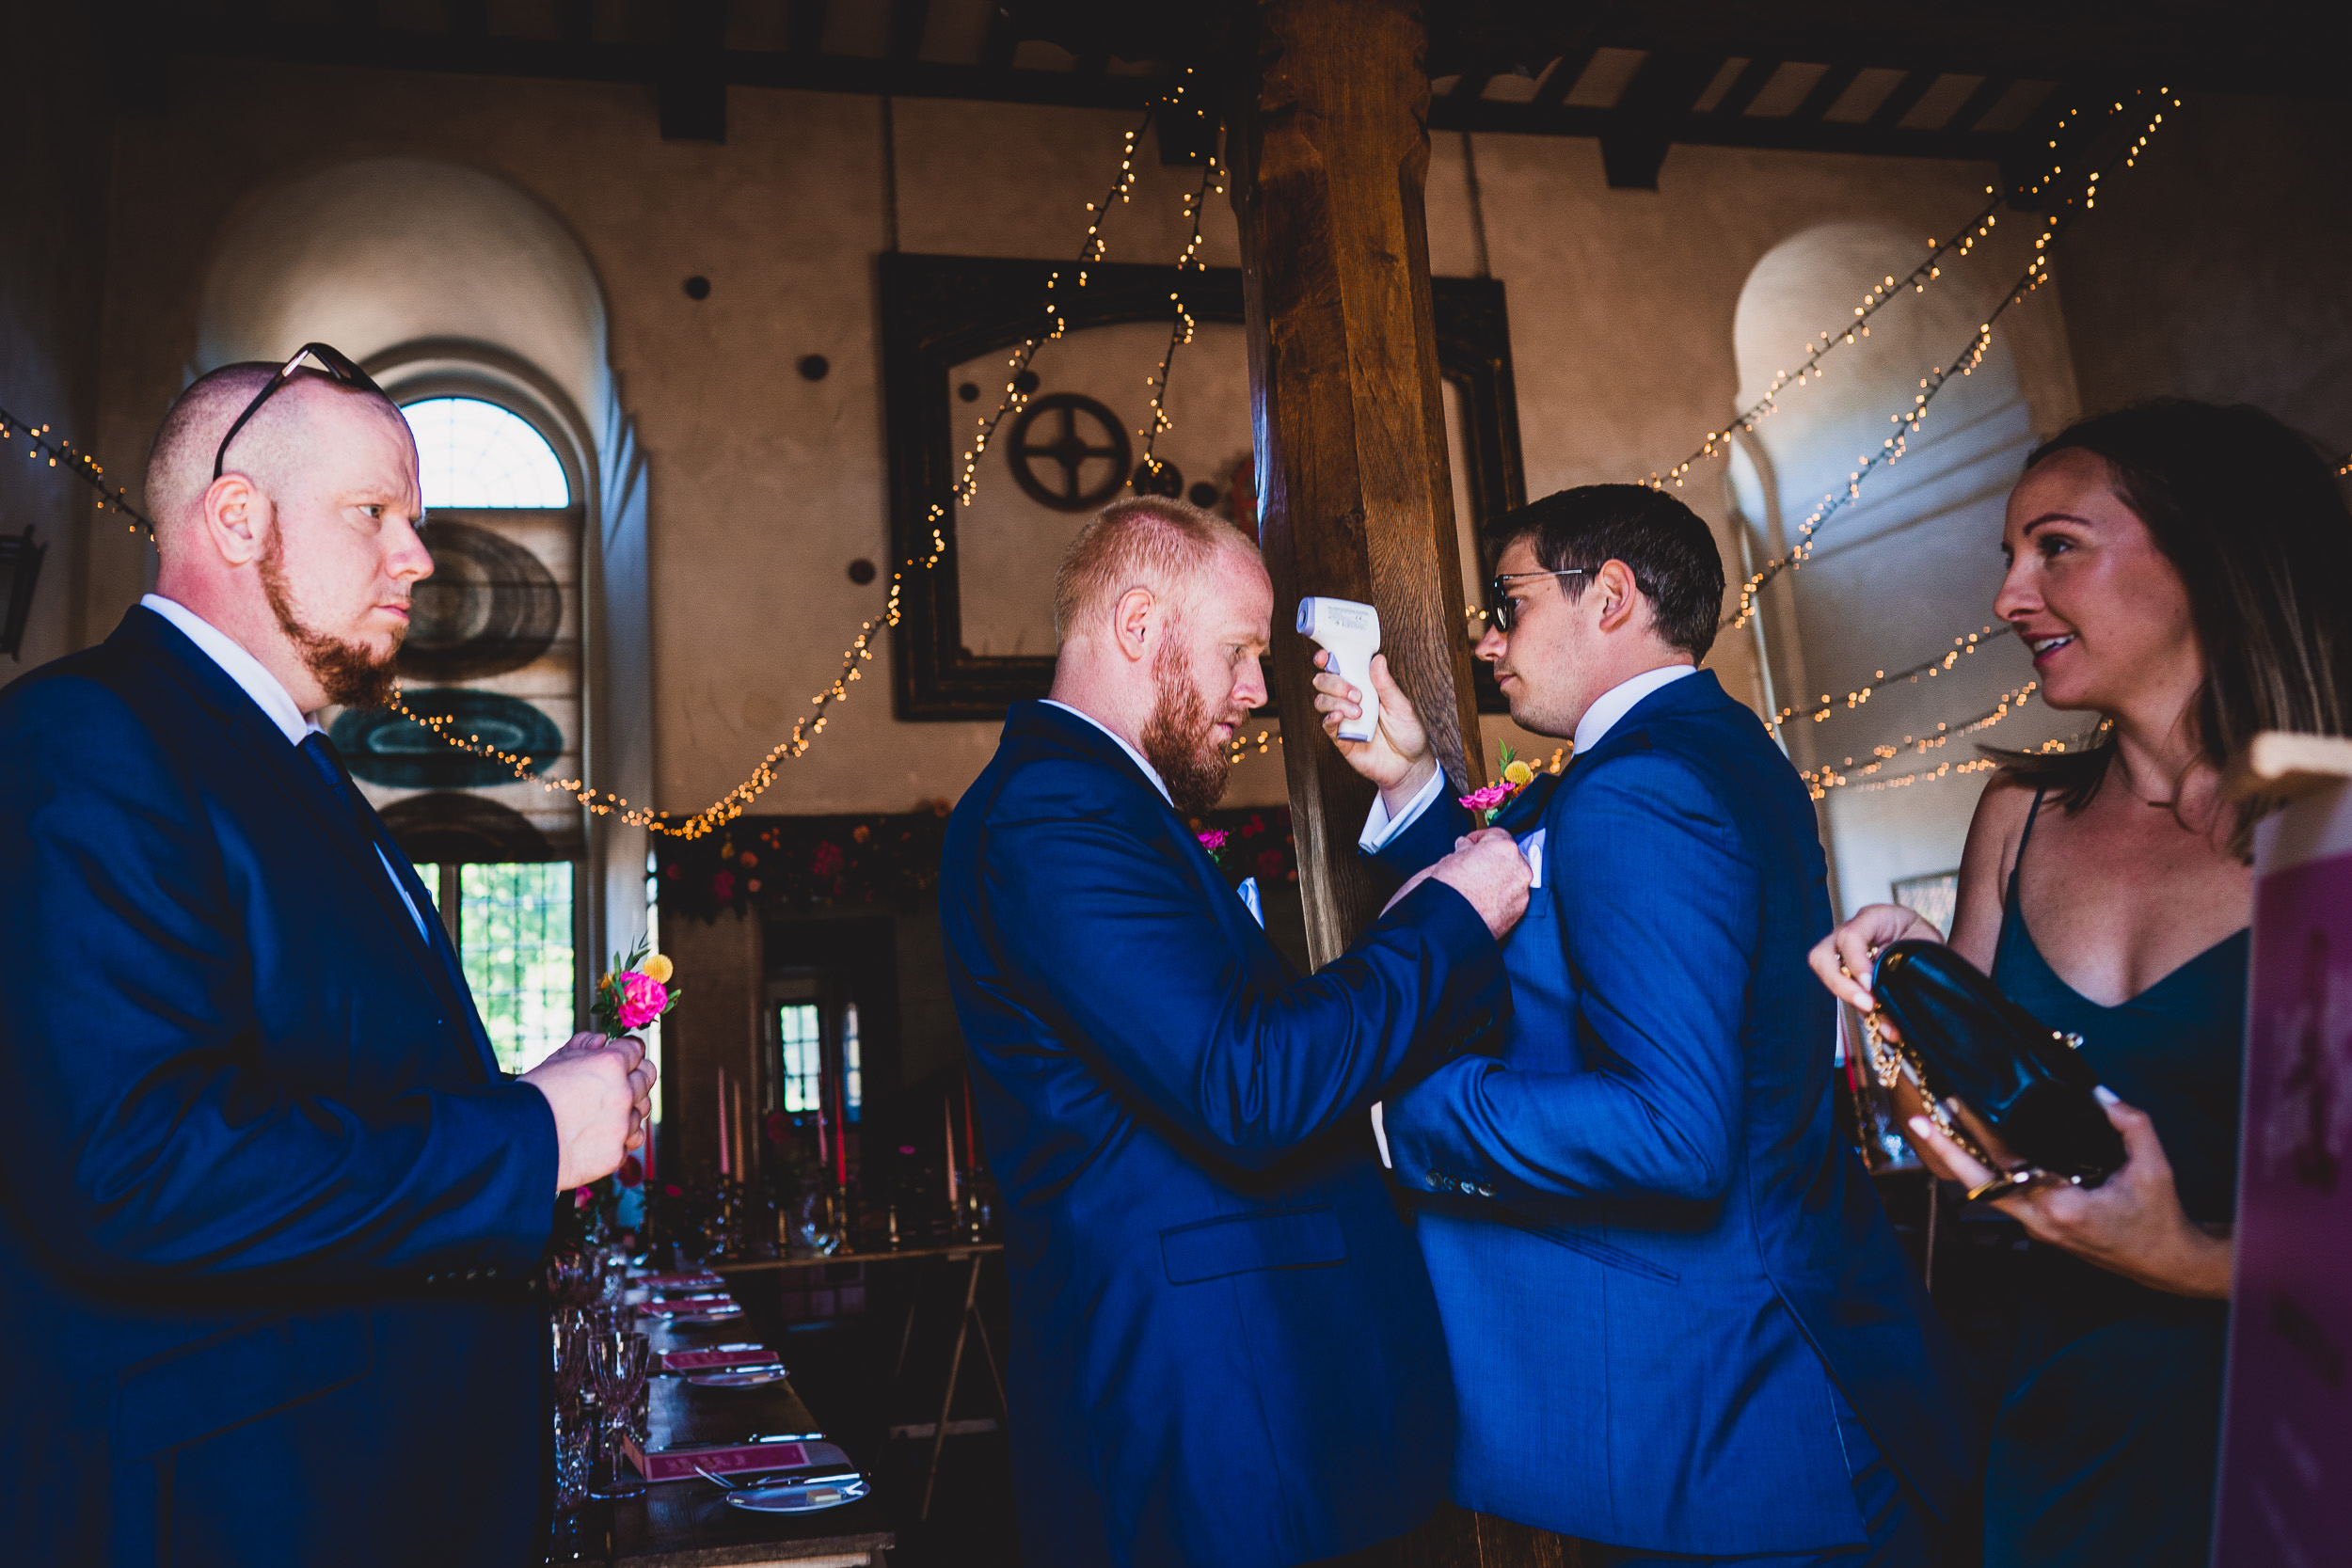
(2251, 517)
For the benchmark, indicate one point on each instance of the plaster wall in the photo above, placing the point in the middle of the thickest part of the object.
(52, 184)
(763, 485)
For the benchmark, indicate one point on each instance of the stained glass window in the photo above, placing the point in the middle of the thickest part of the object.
(474, 454)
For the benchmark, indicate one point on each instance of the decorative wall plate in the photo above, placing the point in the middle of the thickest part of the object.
(490, 605)
(383, 748)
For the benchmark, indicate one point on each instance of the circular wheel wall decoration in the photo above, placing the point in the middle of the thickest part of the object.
(385, 748)
(1083, 467)
(490, 605)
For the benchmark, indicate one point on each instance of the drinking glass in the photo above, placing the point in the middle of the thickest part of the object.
(618, 1358)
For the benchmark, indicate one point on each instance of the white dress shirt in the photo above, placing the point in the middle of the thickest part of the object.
(1591, 730)
(269, 695)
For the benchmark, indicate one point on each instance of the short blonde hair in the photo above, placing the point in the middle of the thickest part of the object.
(1155, 542)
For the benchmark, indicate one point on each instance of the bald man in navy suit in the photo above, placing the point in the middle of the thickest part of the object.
(273, 1213)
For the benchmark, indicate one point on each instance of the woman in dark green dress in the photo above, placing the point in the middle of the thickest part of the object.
(2180, 571)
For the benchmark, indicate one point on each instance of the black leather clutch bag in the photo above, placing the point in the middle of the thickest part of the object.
(1962, 1040)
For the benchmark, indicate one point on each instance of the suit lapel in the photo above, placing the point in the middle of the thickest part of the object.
(251, 730)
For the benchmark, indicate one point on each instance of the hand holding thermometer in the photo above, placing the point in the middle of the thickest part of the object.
(1350, 632)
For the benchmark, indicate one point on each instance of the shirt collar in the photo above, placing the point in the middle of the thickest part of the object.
(1619, 700)
(269, 694)
(1149, 771)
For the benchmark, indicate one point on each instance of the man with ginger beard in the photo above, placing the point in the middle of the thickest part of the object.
(267, 1239)
(1225, 1349)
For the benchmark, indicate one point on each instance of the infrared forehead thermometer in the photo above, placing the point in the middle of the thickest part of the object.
(1350, 632)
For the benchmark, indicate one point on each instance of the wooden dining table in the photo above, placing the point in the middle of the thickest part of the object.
(689, 1524)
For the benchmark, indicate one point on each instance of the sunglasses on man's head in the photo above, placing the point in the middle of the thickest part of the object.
(333, 361)
(1499, 593)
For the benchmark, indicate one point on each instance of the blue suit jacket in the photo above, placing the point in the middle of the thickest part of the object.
(267, 1189)
(1225, 1351)
(1650, 1246)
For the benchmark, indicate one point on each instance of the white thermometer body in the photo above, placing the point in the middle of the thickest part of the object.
(1350, 633)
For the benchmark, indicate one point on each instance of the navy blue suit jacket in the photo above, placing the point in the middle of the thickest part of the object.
(1225, 1351)
(269, 1203)
(1650, 1246)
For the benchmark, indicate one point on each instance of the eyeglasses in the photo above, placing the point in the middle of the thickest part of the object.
(333, 361)
(1498, 591)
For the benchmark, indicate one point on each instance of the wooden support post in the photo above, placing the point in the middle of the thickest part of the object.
(1330, 148)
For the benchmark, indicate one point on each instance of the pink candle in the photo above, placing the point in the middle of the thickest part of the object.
(723, 1168)
(947, 1117)
(821, 1156)
(841, 1140)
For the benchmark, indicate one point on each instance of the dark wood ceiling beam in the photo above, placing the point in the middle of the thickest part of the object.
(1573, 65)
(1641, 126)
(1717, 129)
(1979, 103)
(996, 51)
(1827, 91)
(1903, 98)
(1746, 85)
(805, 28)
(907, 20)
(692, 90)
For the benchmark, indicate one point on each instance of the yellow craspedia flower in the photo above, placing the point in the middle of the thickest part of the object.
(655, 969)
(1517, 774)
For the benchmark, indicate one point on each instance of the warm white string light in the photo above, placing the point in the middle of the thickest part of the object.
(806, 730)
(40, 443)
(1908, 420)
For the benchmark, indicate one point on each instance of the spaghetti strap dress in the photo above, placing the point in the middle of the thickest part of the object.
(2107, 1441)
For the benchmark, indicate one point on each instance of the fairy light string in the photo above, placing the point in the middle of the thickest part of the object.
(860, 652)
(40, 443)
(1182, 327)
(1908, 420)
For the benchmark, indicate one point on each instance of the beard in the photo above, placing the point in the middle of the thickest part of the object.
(348, 673)
(1178, 739)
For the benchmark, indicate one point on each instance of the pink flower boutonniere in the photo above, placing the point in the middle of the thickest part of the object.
(634, 992)
(1214, 840)
(1488, 804)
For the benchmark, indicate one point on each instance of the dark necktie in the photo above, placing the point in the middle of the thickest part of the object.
(320, 752)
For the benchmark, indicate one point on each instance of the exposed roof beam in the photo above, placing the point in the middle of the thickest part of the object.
(1831, 87)
(1903, 98)
(1746, 85)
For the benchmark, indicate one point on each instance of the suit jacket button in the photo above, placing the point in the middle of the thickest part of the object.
(1437, 1182)
(1485, 1190)
(473, 1274)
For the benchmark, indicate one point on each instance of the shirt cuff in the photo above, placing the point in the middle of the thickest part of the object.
(1379, 829)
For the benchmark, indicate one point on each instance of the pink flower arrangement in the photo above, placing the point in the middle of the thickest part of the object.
(1488, 804)
(1213, 840)
(633, 992)
(643, 1000)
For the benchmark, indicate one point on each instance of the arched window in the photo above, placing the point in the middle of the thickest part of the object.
(474, 454)
(1908, 565)
(493, 640)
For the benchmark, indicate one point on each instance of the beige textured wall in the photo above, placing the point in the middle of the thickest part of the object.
(764, 485)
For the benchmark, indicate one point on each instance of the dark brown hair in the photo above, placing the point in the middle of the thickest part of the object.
(1673, 555)
(2250, 516)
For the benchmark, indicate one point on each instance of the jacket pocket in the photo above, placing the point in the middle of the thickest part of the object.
(237, 1377)
(1241, 1244)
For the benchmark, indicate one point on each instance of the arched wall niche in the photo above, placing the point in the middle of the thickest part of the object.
(1897, 574)
(491, 297)
(310, 260)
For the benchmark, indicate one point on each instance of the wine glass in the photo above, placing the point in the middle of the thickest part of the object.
(618, 1359)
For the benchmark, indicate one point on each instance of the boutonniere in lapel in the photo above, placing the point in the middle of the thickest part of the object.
(633, 992)
(1214, 841)
(1488, 804)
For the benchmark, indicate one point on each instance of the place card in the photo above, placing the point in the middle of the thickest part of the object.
(691, 1279)
(679, 1461)
(716, 1358)
(688, 1308)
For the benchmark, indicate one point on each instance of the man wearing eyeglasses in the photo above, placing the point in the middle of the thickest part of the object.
(1679, 1322)
(268, 1227)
